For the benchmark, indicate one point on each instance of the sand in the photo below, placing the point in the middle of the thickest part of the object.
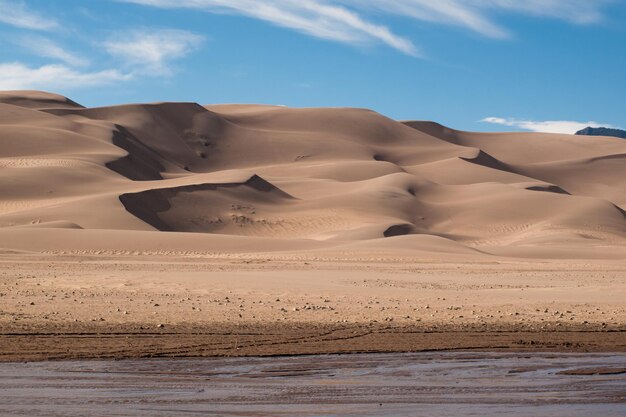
(71, 306)
(202, 224)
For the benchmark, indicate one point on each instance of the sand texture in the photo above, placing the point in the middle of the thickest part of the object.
(223, 216)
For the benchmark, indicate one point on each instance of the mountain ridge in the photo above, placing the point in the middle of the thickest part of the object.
(602, 131)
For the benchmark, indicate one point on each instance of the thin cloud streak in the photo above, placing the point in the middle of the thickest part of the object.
(476, 14)
(18, 76)
(141, 53)
(343, 20)
(46, 48)
(573, 11)
(16, 14)
(446, 12)
(313, 17)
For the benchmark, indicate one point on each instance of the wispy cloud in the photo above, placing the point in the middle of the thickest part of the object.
(317, 18)
(574, 11)
(349, 21)
(46, 48)
(142, 53)
(549, 126)
(151, 52)
(18, 76)
(468, 14)
(15, 13)
(478, 15)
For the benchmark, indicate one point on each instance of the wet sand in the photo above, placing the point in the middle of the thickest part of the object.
(425, 384)
(143, 341)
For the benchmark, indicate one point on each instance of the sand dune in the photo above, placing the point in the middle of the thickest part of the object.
(268, 178)
(181, 229)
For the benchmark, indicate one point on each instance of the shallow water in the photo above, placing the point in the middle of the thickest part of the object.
(422, 384)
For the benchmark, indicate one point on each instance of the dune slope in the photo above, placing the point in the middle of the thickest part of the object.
(264, 175)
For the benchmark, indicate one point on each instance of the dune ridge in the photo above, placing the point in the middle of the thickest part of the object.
(322, 178)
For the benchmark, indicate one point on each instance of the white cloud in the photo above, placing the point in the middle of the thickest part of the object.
(17, 76)
(152, 51)
(144, 53)
(574, 11)
(343, 20)
(476, 15)
(16, 14)
(549, 126)
(46, 48)
(313, 17)
(447, 12)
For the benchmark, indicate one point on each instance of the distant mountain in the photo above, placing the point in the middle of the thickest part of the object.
(602, 131)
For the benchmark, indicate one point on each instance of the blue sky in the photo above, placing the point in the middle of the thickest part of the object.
(540, 65)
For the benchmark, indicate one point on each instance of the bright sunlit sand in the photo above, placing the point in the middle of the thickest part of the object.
(313, 207)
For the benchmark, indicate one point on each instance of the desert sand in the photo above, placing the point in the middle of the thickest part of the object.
(180, 229)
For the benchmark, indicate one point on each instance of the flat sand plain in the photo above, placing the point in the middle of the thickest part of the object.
(81, 306)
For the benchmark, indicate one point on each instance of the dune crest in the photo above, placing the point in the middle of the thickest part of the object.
(342, 177)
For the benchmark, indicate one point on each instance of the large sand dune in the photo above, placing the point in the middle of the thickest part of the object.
(265, 178)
